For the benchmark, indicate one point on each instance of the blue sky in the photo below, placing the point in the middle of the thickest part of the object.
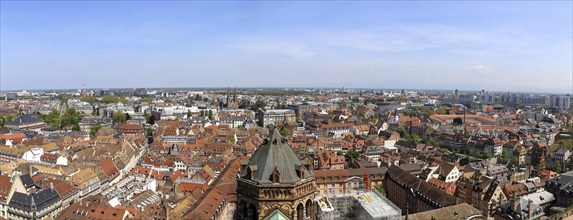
(500, 46)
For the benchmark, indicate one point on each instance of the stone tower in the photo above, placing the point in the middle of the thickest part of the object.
(275, 183)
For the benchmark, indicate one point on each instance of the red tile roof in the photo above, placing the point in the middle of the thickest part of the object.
(12, 136)
(109, 168)
(5, 186)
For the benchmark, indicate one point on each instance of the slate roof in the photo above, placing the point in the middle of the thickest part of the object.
(275, 153)
(27, 180)
(459, 211)
(420, 186)
(36, 201)
(521, 206)
(95, 120)
(26, 119)
(565, 181)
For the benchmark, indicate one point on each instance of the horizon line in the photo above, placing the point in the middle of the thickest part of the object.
(275, 87)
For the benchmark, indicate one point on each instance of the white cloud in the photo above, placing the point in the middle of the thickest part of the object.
(482, 68)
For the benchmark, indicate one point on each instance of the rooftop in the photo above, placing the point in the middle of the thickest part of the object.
(459, 211)
(275, 155)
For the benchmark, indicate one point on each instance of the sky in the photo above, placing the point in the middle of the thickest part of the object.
(470, 45)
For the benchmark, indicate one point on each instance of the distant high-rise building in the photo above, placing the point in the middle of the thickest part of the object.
(559, 101)
(140, 92)
(103, 92)
(486, 97)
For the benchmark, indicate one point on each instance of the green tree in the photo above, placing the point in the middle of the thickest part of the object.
(113, 99)
(188, 114)
(110, 99)
(514, 160)
(52, 118)
(258, 104)
(401, 131)
(6, 118)
(94, 129)
(339, 153)
(504, 155)
(210, 116)
(118, 117)
(89, 99)
(442, 110)
(146, 116)
(558, 167)
(380, 189)
(352, 154)
(413, 138)
(567, 143)
(285, 132)
(487, 155)
(472, 152)
(70, 117)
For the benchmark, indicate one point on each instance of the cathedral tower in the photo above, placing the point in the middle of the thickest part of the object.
(275, 183)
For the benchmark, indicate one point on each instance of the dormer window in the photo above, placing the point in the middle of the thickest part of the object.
(275, 176)
(251, 172)
(300, 171)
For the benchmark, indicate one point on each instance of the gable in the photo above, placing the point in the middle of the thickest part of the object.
(276, 215)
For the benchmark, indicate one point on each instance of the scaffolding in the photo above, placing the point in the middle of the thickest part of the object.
(362, 205)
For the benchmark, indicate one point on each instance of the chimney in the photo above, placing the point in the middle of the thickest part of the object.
(52, 185)
(529, 209)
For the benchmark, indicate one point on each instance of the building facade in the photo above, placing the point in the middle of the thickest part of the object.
(412, 194)
(275, 116)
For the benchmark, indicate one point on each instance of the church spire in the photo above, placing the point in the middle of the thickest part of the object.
(228, 95)
(235, 95)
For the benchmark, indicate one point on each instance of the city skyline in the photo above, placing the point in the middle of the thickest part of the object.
(498, 46)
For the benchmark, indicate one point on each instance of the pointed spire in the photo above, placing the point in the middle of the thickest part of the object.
(228, 95)
(275, 135)
(33, 204)
(235, 95)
